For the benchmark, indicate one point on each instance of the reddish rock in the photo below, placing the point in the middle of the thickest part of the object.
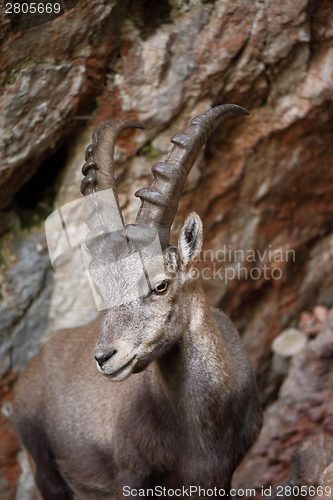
(10, 445)
(320, 313)
(262, 184)
(304, 408)
(310, 460)
(326, 481)
(48, 75)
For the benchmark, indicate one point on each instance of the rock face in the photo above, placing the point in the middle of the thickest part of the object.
(47, 74)
(310, 460)
(304, 408)
(10, 445)
(26, 282)
(263, 185)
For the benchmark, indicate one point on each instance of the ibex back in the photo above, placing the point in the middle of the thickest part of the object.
(187, 409)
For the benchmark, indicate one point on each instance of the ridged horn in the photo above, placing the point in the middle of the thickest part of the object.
(98, 169)
(98, 172)
(159, 202)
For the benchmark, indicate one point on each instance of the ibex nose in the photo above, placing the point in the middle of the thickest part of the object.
(102, 358)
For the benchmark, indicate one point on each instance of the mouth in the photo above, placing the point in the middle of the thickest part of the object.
(119, 373)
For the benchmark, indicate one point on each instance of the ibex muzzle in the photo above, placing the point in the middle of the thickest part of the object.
(134, 334)
(187, 408)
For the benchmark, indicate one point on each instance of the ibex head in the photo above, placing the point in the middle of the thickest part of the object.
(136, 332)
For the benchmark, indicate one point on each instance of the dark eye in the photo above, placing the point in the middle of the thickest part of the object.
(161, 287)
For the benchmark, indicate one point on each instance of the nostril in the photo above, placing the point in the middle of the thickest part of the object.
(102, 358)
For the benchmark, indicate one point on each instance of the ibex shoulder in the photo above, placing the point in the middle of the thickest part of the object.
(232, 340)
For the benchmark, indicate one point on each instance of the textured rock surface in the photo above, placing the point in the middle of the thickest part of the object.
(310, 471)
(263, 183)
(310, 460)
(304, 408)
(26, 283)
(10, 446)
(47, 74)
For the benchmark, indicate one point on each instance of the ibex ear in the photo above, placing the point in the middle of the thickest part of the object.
(190, 240)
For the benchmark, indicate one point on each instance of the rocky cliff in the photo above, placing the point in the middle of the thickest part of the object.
(263, 184)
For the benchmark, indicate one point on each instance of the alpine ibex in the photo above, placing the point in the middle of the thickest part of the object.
(187, 409)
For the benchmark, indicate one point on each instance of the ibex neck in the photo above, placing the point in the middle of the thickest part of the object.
(196, 366)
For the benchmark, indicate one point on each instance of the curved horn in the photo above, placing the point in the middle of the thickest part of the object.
(99, 175)
(159, 202)
(99, 166)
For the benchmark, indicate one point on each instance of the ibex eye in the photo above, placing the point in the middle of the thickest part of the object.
(161, 287)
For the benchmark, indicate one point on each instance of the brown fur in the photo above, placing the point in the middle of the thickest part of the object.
(187, 409)
(186, 418)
